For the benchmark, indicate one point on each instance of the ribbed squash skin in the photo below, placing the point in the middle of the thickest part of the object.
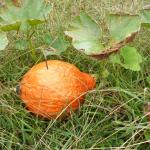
(56, 90)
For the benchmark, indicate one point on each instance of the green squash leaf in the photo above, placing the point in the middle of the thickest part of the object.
(3, 41)
(33, 9)
(123, 26)
(54, 46)
(145, 17)
(128, 57)
(85, 34)
(32, 12)
(48, 39)
(132, 58)
(22, 44)
(10, 19)
(60, 44)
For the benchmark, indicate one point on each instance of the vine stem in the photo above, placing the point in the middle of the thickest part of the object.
(33, 54)
(29, 38)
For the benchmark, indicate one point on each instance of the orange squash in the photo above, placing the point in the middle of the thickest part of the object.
(54, 91)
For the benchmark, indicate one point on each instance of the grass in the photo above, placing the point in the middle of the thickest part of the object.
(112, 116)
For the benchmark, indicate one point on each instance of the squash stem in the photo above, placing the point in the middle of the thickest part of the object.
(29, 38)
(33, 54)
(46, 62)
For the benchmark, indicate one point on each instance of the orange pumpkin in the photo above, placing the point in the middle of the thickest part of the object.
(56, 90)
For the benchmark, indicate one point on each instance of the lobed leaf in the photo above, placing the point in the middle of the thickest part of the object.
(10, 19)
(32, 12)
(85, 34)
(114, 47)
(145, 17)
(128, 57)
(123, 26)
(22, 44)
(54, 46)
